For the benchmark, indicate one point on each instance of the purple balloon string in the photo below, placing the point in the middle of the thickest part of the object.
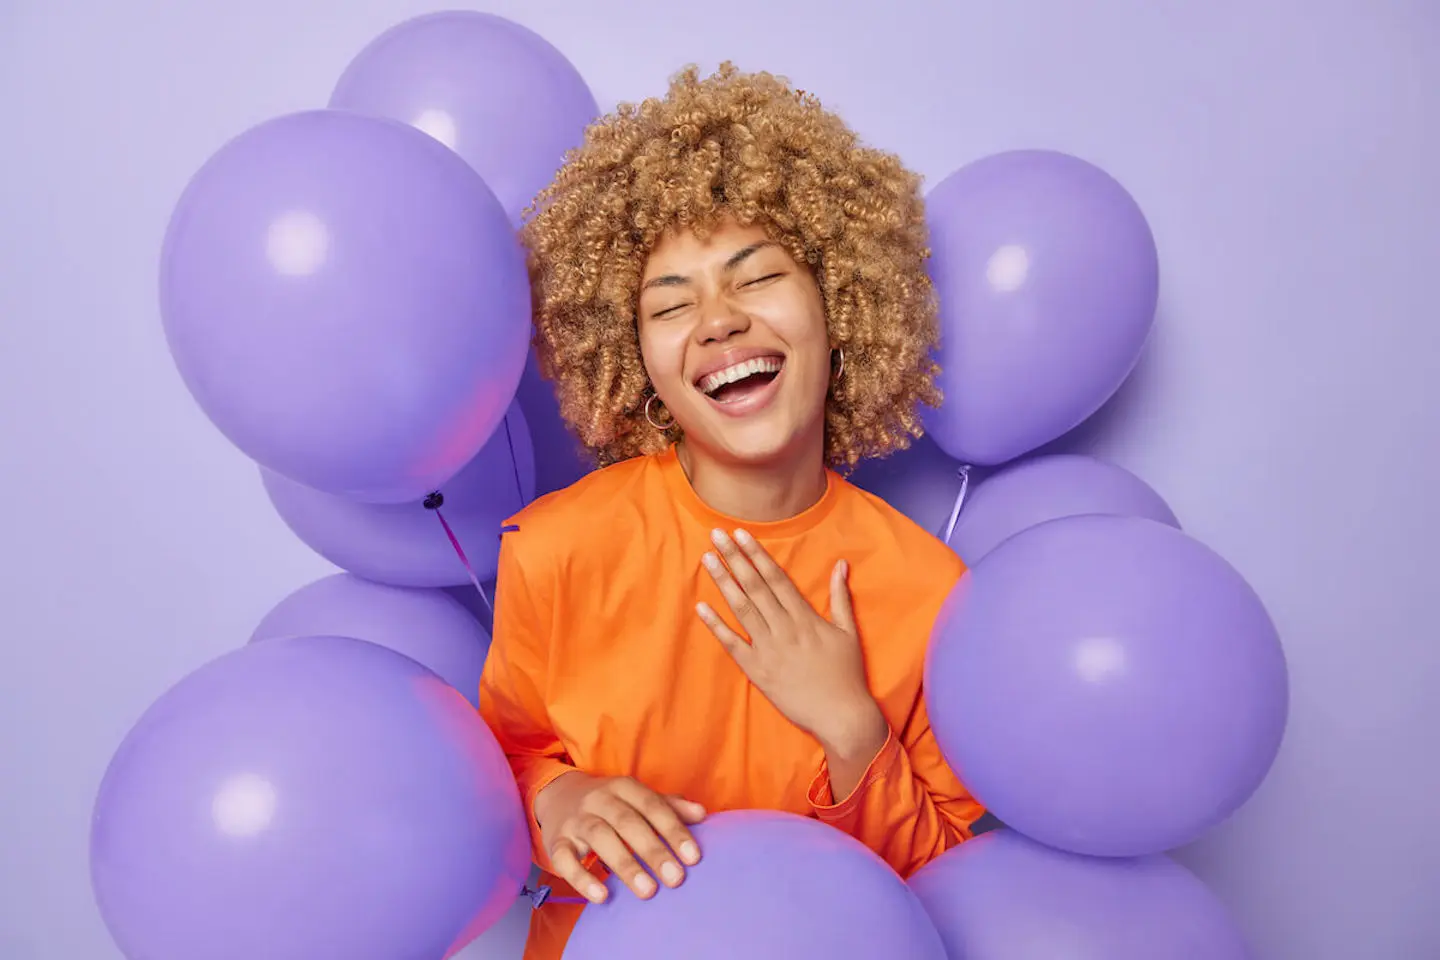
(964, 473)
(515, 465)
(433, 502)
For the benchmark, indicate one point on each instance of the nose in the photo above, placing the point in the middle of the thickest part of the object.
(721, 321)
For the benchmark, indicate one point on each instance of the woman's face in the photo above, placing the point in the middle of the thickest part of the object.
(732, 331)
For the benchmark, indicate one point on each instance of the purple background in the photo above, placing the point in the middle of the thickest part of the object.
(1283, 150)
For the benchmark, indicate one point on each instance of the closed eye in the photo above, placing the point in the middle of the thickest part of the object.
(661, 314)
(768, 276)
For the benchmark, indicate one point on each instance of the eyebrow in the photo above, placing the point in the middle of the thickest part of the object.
(736, 258)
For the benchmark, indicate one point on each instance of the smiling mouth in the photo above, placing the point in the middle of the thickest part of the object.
(740, 380)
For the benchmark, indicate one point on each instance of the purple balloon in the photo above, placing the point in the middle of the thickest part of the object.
(302, 798)
(919, 481)
(1107, 685)
(1048, 278)
(560, 459)
(1005, 897)
(770, 886)
(405, 544)
(348, 302)
(1049, 488)
(498, 94)
(428, 626)
(477, 602)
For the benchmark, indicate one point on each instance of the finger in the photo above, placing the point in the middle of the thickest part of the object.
(668, 815)
(749, 579)
(786, 593)
(842, 613)
(734, 644)
(652, 830)
(740, 603)
(612, 850)
(565, 857)
(689, 810)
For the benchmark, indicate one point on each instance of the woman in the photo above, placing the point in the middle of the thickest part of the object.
(731, 300)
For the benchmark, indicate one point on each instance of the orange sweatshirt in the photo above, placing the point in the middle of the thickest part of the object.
(599, 662)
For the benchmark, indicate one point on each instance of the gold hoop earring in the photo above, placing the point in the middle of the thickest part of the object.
(650, 415)
(841, 371)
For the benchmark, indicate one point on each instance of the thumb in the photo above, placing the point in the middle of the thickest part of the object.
(689, 810)
(841, 613)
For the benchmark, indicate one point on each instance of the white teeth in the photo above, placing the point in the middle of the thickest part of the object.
(740, 371)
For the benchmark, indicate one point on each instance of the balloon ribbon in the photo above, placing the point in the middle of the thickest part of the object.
(434, 502)
(964, 473)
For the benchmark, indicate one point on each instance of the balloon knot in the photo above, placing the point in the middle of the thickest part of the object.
(435, 501)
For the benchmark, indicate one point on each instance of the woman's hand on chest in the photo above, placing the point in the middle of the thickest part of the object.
(810, 667)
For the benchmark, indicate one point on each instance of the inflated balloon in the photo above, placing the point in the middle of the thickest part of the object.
(1047, 488)
(404, 543)
(559, 458)
(498, 94)
(1107, 685)
(1005, 897)
(301, 798)
(428, 626)
(477, 602)
(347, 301)
(920, 481)
(769, 886)
(1048, 279)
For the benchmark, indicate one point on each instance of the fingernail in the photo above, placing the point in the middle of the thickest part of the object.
(844, 568)
(711, 561)
(671, 873)
(689, 853)
(644, 886)
(704, 610)
(744, 537)
(718, 536)
(597, 893)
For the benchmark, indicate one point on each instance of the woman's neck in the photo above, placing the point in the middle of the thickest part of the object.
(759, 493)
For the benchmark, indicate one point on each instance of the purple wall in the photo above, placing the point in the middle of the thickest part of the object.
(1285, 152)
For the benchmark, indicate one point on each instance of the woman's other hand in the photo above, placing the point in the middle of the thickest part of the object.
(628, 827)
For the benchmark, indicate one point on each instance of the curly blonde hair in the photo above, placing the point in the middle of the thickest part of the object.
(751, 147)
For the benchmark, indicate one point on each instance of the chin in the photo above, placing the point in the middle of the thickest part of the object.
(753, 444)
(756, 448)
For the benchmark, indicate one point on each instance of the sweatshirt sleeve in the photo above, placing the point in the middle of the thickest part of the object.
(512, 686)
(909, 807)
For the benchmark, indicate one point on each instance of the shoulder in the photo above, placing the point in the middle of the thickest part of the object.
(899, 543)
(900, 577)
(594, 510)
(586, 499)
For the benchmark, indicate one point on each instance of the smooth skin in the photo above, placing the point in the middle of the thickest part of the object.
(702, 300)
